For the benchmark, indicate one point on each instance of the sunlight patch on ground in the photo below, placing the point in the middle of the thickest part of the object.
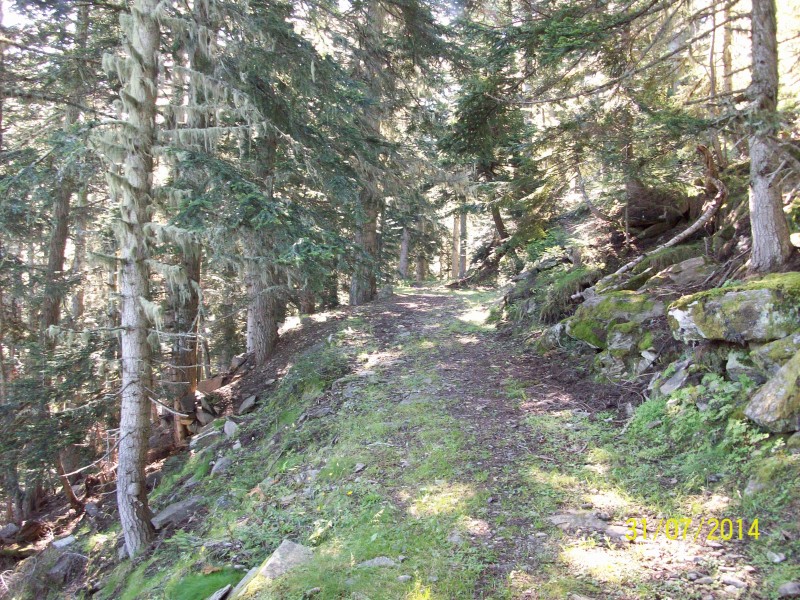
(439, 499)
(466, 340)
(604, 564)
(476, 316)
(716, 504)
(608, 500)
(476, 527)
(556, 479)
(380, 358)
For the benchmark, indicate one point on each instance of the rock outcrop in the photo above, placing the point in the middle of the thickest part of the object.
(595, 318)
(286, 557)
(776, 405)
(759, 311)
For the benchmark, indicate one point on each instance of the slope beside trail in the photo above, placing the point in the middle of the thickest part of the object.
(498, 464)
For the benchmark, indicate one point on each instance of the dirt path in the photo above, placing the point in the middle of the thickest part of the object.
(425, 455)
(553, 526)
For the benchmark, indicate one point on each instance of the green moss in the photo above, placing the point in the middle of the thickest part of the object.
(591, 332)
(787, 284)
(646, 342)
(197, 585)
(669, 256)
(559, 294)
(629, 327)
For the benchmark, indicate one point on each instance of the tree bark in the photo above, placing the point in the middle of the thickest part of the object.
(456, 244)
(308, 305)
(502, 233)
(132, 184)
(79, 256)
(184, 304)
(73, 500)
(265, 308)
(363, 285)
(405, 242)
(462, 250)
(770, 231)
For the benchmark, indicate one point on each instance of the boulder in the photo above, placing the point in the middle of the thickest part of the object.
(597, 315)
(230, 428)
(221, 466)
(64, 542)
(205, 438)
(221, 593)
(68, 566)
(739, 364)
(759, 311)
(8, 531)
(551, 338)
(286, 557)
(378, 561)
(247, 405)
(177, 512)
(204, 417)
(671, 379)
(776, 404)
(210, 385)
(772, 356)
(682, 275)
(238, 360)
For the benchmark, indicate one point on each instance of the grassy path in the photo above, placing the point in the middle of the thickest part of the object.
(476, 469)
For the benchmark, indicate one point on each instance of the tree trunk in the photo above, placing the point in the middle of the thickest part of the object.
(184, 304)
(770, 231)
(405, 242)
(79, 256)
(722, 160)
(727, 60)
(462, 251)
(502, 233)
(363, 285)
(226, 336)
(307, 301)
(422, 267)
(132, 184)
(456, 243)
(265, 308)
(73, 500)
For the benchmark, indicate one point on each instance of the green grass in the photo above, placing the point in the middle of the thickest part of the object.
(426, 477)
(197, 585)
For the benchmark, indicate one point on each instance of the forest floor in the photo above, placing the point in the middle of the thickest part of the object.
(478, 468)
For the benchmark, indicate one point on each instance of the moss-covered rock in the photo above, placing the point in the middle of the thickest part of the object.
(772, 356)
(763, 310)
(739, 364)
(595, 318)
(691, 272)
(776, 405)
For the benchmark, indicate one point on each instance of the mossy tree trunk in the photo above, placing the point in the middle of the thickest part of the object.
(770, 231)
(132, 185)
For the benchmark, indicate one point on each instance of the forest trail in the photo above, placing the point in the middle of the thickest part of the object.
(423, 453)
(499, 466)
